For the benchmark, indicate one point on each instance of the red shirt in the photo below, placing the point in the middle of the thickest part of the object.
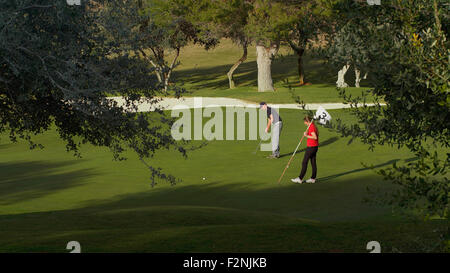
(312, 142)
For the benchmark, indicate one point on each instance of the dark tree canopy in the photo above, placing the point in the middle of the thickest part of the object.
(59, 62)
(408, 48)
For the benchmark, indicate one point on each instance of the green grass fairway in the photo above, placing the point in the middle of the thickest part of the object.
(49, 198)
(203, 73)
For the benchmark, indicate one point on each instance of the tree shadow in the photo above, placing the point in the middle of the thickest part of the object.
(247, 74)
(411, 159)
(170, 219)
(390, 162)
(358, 170)
(28, 180)
(215, 77)
(4, 146)
(316, 71)
(171, 206)
(321, 144)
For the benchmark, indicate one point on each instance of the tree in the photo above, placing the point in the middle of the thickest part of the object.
(308, 19)
(168, 26)
(409, 58)
(227, 19)
(292, 22)
(265, 23)
(58, 62)
(347, 43)
(343, 55)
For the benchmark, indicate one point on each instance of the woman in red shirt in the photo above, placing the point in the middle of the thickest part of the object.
(312, 145)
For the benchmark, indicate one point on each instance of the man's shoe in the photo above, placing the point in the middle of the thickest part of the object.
(271, 156)
(311, 180)
(296, 180)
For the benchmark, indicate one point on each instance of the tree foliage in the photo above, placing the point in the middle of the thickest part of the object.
(296, 23)
(308, 20)
(407, 45)
(267, 22)
(59, 62)
(226, 19)
(167, 27)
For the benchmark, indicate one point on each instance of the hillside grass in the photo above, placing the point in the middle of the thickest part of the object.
(49, 198)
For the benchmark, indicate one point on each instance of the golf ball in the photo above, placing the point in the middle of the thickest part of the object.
(203, 178)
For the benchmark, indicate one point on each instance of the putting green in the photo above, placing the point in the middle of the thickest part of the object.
(49, 198)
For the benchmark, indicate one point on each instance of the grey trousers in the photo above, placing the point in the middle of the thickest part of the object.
(276, 132)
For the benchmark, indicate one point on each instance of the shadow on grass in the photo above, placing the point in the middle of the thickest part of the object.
(390, 162)
(204, 217)
(247, 74)
(322, 144)
(357, 170)
(215, 203)
(241, 202)
(27, 180)
(4, 146)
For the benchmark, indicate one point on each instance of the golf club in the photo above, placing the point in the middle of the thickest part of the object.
(257, 147)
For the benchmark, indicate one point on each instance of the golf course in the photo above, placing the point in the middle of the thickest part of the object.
(50, 198)
(227, 198)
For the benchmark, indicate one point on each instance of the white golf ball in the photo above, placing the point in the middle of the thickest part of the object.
(204, 178)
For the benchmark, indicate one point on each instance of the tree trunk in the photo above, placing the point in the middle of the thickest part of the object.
(301, 72)
(264, 57)
(341, 76)
(172, 65)
(299, 50)
(235, 66)
(357, 76)
(157, 68)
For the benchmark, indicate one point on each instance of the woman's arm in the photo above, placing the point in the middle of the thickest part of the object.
(312, 136)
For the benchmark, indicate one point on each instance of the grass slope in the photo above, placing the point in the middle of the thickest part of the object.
(49, 198)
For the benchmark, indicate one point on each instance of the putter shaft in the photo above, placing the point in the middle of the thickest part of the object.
(257, 147)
